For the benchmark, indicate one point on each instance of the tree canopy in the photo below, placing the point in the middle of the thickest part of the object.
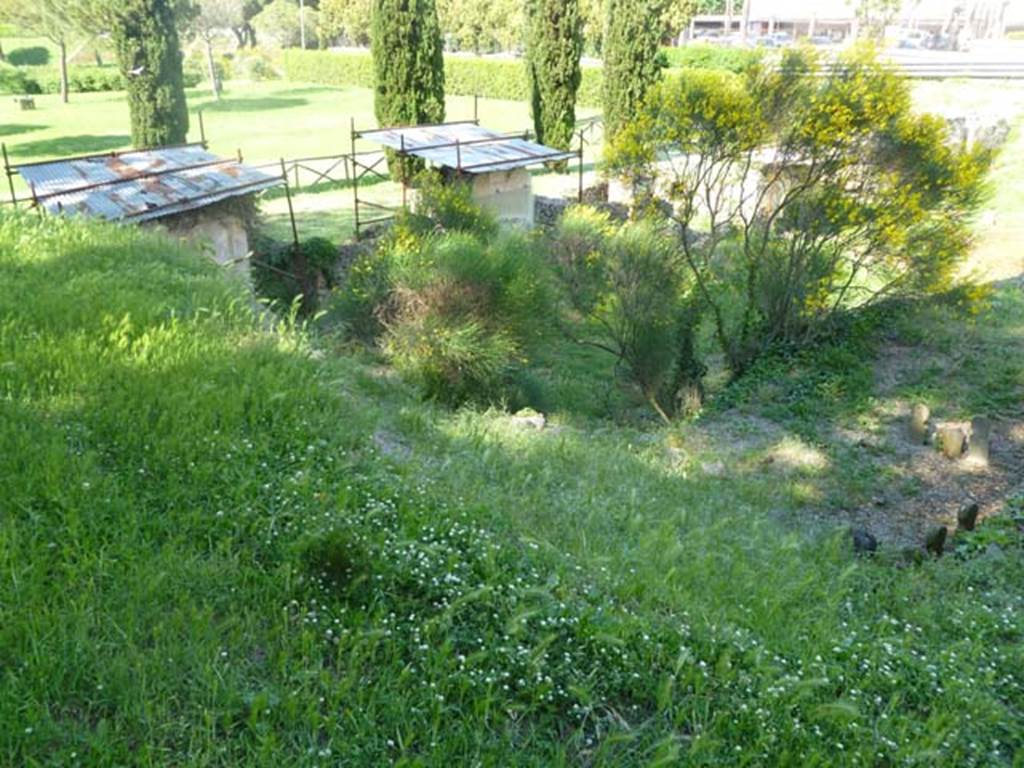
(631, 60)
(408, 62)
(59, 21)
(145, 35)
(800, 197)
(553, 49)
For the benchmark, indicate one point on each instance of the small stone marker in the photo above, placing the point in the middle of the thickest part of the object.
(863, 541)
(528, 417)
(951, 441)
(935, 541)
(967, 517)
(713, 468)
(981, 432)
(918, 426)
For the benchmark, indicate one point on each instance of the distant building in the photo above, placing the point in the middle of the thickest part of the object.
(839, 19)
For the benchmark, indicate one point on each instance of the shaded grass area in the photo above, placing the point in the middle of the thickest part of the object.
(72, 145)
(15, 129)
(215, 555)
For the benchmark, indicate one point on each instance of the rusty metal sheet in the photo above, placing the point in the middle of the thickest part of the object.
(467, 147)
(141, 185)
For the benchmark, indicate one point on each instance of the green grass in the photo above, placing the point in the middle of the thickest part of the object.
(266, 121)
(212, 553)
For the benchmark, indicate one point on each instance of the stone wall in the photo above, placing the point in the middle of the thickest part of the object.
(221, 230)
(507, 194)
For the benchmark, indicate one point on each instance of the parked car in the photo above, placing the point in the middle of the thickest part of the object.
(913, 38)
(774, 40)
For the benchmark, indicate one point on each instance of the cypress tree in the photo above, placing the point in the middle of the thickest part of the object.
(632, 62)
(408, 65)
(146, 40)
(554, 44)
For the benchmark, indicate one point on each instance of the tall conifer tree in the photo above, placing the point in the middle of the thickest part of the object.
(632, 63)
(146, 40)
(408, 63)
(554, 44)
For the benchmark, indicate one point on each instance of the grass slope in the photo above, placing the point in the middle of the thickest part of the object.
(219, 547)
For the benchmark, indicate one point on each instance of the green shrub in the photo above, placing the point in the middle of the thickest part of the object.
(359, 305)
(30, 56)
(16, 81)
(865, 199)
(363, 304)
(575, 250)
(144, 34)
(278, 24)
(449, 206)
(87, 78)
(463, 76)
(628, 292)
(255, 65)
(284, 273)
(703, 56)
(321, 258)
(554, 45)
(83, 79)
(196, 70)
(632, 61)
(465, 314)
(328, 67)
(408, 66)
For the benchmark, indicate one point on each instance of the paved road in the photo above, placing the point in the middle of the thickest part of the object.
(987, 59)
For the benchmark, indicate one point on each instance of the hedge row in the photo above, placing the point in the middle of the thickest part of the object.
(81, 79)
(703, 56)
(29, 56)
(492, 79)
(14, 80)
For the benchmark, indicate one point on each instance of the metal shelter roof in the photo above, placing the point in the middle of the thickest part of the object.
(466, 146)
(142, 184)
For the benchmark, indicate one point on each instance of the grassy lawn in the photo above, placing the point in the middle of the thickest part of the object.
(265, 121)
(998, 254)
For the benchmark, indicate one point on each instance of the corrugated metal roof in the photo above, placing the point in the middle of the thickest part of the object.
(466, 146)
(143, 184)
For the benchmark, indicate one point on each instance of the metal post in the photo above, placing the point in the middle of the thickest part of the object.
(580, 198)
(476, 108)
(238, 153)
(291, 211)
(35, 199)
(10, 175)
(405, 180)
(202, 130)
(355, 178)
(458, 156)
